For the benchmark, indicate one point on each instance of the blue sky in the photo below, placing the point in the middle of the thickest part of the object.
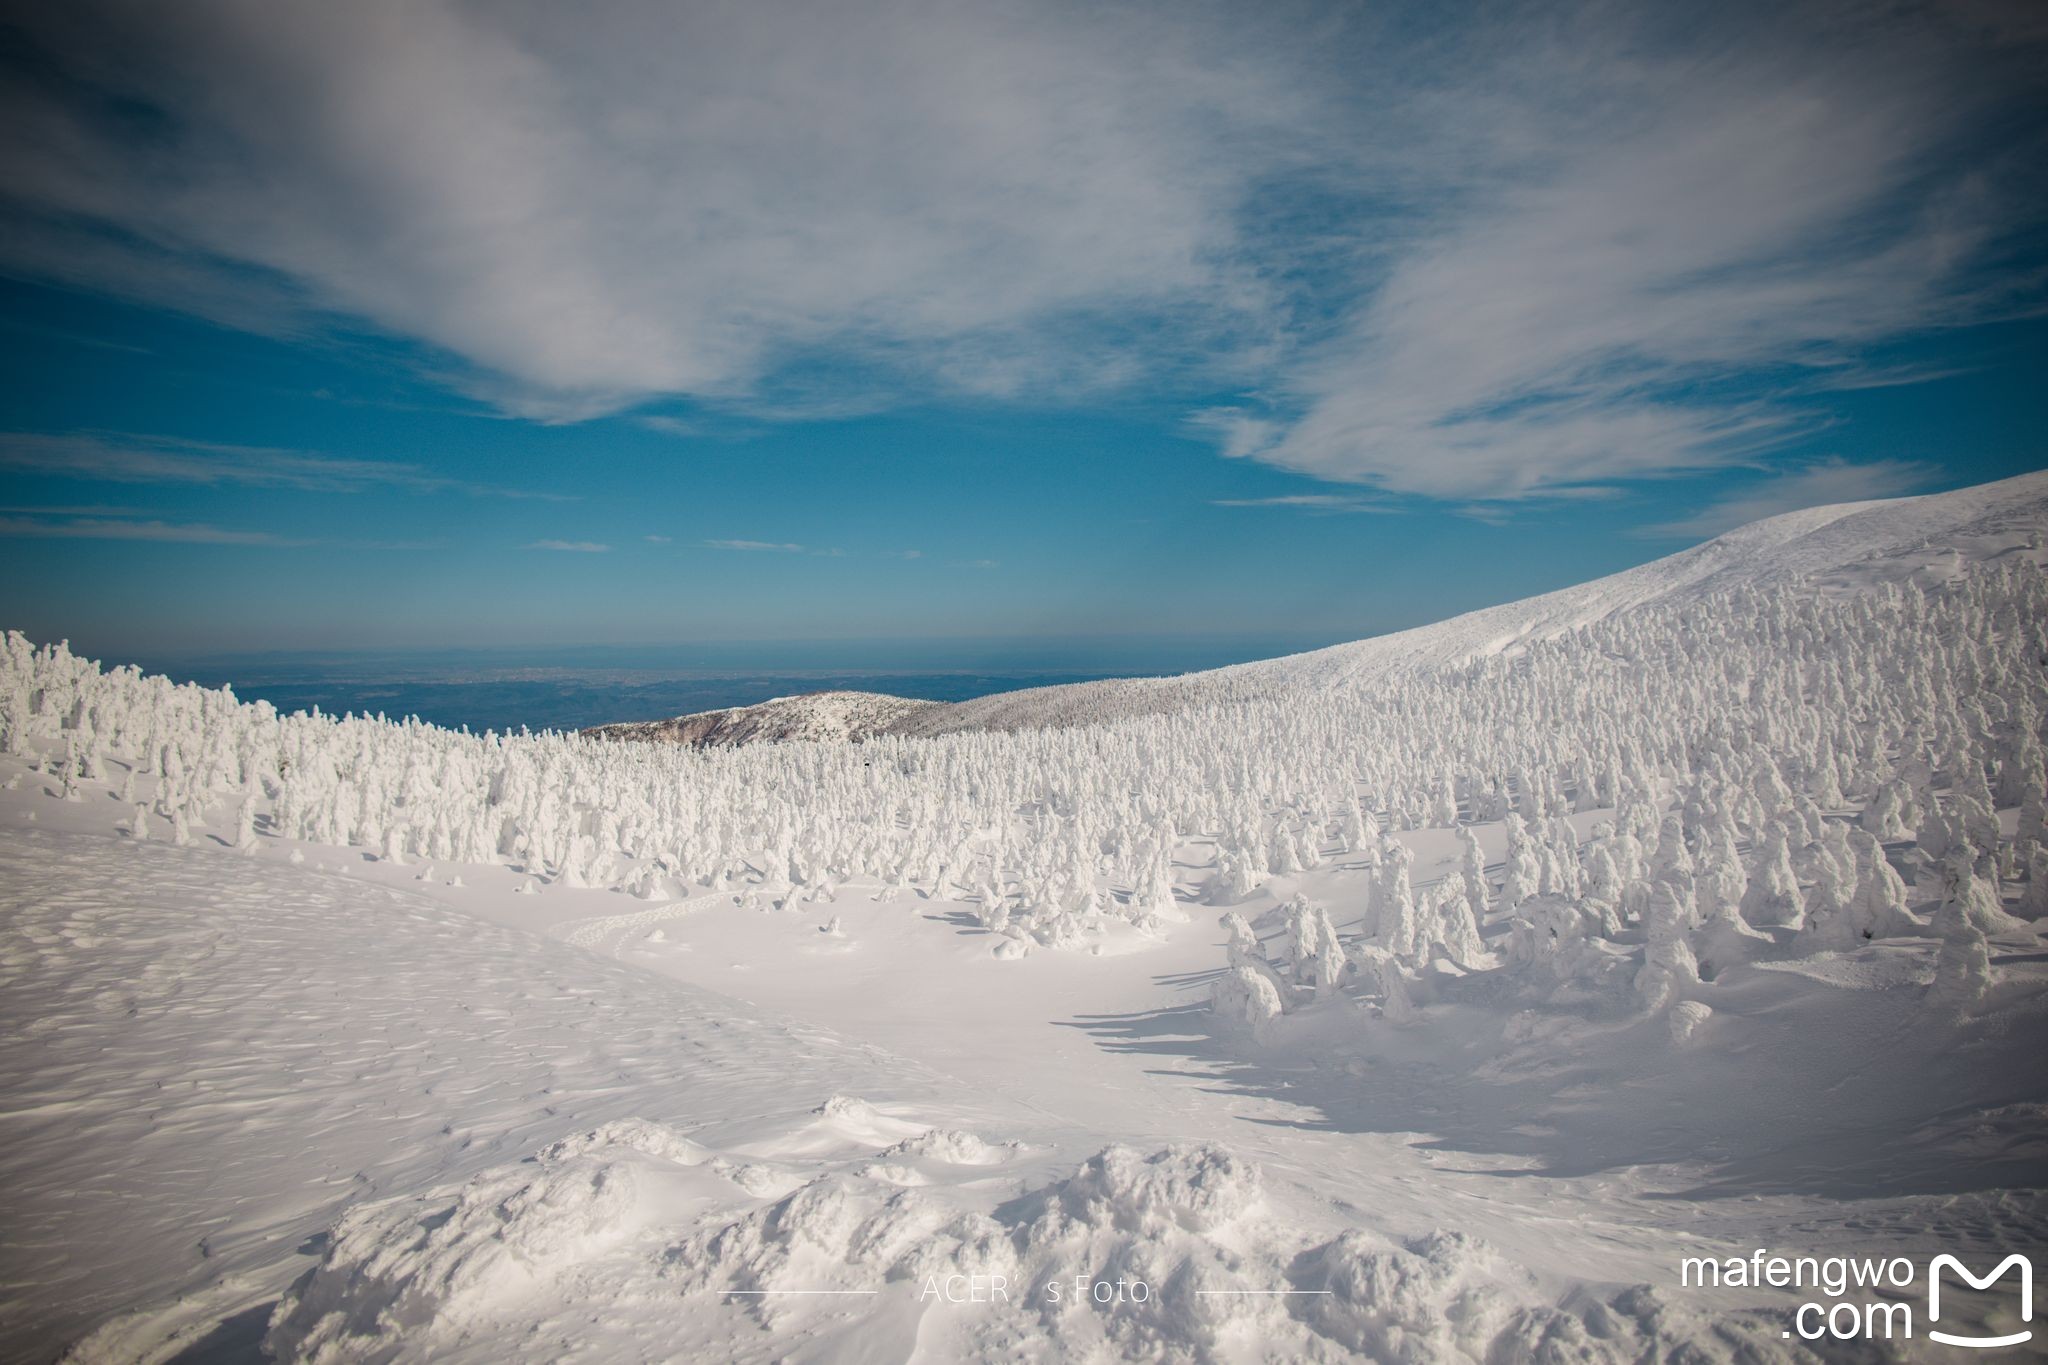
(1107, 328)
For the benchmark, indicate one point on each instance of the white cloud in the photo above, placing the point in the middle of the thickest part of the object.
(1314, 502)
(582, 547)
(1476, 258)
(96, 528)
(658, 540)
(1237, 433)
(94, 509)
(122, 458)
(1679, 220)
(754, 546)
(595, 205)
(117, 523)
(1816, 485)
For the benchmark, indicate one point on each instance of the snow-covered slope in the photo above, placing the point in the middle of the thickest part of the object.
(1852, 543)
(1847, 544)
(208, 1058)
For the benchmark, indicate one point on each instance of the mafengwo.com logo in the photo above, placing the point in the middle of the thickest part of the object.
(1873, 1299)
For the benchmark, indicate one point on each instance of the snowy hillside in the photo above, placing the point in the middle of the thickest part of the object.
(1426, 1000)
(1849, 544)
(1859, 542)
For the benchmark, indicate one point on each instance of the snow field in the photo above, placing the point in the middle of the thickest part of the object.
(202, 1071)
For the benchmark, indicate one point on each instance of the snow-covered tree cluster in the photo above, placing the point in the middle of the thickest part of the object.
(1765, 776)
(1681, 787)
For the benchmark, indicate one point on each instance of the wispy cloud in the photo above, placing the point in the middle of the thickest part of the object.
(95, 509)
(114, 458)
(658, 540)
(1237, 432)
(788, 547)
(581, 547)
(1816, 485)
(101, 528)
(1520, 248)
(1688, 217)
(1325, 503)
(125, 523)
(944, 192)
(754, 546)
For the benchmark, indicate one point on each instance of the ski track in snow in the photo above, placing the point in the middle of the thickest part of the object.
(591, 933)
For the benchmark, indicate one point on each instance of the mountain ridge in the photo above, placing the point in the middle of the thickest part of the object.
(1858, 543)
(835, 715)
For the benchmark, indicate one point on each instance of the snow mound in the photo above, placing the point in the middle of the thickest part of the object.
(422, 1270)
(639, 1135)
(1199, 1187)
(953, 1147)
(840, 1232)
(1443, 1296)
(596, 1226)
(1634, 1325)
(1163, 1254)
(856, 1120)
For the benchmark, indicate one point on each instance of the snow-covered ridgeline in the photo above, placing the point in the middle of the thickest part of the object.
(1844, 547)
(1732, 722)
(813, 715)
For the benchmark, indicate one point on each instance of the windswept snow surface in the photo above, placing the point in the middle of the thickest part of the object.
(1343, 1011)
(209, 1059)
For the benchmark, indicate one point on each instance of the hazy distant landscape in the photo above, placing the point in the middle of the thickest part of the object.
(569, 689)
(544, 698)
